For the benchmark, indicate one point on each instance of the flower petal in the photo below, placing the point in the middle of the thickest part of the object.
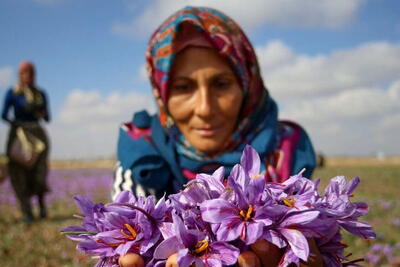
(275, 238)
(167, 230)
(187, 237)
(254, 231)
(250, 161)
(238, 176)
(226, 253)
(184, 258)
(167, 247)
(351, 185)
(125, 197)
(217, 210)
(230, 229)
(361, 229)
(300, 217)
(212, 262)
(298, 243)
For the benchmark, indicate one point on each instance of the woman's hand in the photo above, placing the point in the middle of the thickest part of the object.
(131, 260)
(269, 255)
(172, 261)
(135, 260)
(262, 253)
(316, 259)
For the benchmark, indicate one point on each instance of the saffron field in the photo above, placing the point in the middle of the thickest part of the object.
(41, 244)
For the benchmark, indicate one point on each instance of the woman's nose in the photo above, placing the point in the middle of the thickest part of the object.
(204, 102)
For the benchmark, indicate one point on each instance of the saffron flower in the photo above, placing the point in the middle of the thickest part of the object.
(195, 247)
(112, 230)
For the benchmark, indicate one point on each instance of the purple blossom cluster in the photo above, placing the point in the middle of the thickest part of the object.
(65, 183)
(215, 218)
(380, 254)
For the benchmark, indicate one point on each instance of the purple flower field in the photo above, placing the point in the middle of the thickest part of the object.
(65, 183)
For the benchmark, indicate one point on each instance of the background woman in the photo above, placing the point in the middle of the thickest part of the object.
(211, 103)
(30, 106)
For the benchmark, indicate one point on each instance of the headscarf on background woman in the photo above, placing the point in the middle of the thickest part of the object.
(257, 124)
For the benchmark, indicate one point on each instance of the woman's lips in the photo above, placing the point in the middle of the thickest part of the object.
(207, 132)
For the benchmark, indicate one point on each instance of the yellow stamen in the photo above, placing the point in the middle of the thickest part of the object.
(247, 214)
(201, 246)
(289, 201)
(242, 214)
(131, 230)
(255, 176)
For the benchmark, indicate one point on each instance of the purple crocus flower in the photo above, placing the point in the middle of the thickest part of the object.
(297, 192)
(289, 229)
(245, 216)
(245, 213)
(215, 182)
(195, 247)
(127, 225)
(91, 225)
(396, 222)
(336, 204)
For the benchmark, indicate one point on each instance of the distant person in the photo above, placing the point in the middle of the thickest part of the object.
(320, 160)
(211, 102)
(3, 169)
(30, 107)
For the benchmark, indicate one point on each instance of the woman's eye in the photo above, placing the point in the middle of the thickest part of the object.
(181, 87)
(222, 84)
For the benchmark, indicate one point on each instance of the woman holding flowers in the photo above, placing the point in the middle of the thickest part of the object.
(211, 102)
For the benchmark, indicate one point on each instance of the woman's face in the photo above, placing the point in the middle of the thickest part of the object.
(204, 98)
(26, 77)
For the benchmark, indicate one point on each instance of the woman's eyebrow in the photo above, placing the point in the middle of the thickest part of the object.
(216, 75)
(180, 78)
(225, 73)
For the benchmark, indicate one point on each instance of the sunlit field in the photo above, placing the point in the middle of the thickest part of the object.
(41, 244)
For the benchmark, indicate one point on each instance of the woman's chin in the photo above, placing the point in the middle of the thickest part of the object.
(208, 146)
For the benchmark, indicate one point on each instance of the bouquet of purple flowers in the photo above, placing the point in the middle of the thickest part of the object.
(214, 218)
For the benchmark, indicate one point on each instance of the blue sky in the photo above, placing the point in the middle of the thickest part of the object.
(332, 65)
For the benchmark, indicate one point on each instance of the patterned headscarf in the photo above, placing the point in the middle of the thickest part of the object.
(228, 39)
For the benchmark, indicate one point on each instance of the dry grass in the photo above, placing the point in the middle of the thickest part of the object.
(362, 161)
(82, 164)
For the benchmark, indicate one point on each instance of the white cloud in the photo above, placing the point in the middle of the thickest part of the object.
(347, 105)
(6, 77)
(87, 125)
(251, 14)
(347, 100)
(288, 74)
(143, 73)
